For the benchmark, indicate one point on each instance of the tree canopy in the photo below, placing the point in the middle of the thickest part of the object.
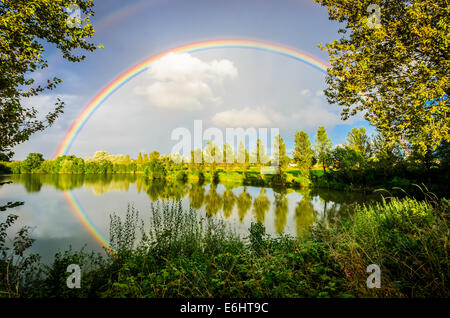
(358, 140)
(303, 154)
(323, 146)
(27, 27)
(399, 64)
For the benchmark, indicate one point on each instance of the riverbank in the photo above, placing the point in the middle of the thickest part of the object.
(182, 255)
(401, 180)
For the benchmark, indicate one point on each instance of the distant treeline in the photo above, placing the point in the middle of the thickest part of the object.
(360, 163)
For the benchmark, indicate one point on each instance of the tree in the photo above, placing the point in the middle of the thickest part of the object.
(26, 27)
(386, 153)
(400, 63)
(443, 154)
(358, 140)
(346, 158)
(101, 156)
(155, 170)
(243, 157)
(212, 154)
(153, 154)
(139, 159)
(32, 162)
(303, 153)
(228, 155)
(6, 156)
(259, 156)
(323, 146)
(127, 160)
(279, 154)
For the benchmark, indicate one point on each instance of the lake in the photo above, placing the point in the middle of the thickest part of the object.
(74, 210)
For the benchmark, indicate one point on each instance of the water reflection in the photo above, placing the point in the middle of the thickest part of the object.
(213, 201)
(197, 196)
(261, 206)
(280, 209)
(304, 214)
(229, 201)
(244, 202)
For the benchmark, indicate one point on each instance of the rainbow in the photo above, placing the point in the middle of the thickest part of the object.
(134, 71)
(87, 223)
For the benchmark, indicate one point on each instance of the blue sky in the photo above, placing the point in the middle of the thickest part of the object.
(250, 87)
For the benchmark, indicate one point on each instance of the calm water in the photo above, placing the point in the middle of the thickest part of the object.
(58, 224)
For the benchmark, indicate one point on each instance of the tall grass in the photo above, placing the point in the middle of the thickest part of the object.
(180, 254)
(407, 238)
(171, 231)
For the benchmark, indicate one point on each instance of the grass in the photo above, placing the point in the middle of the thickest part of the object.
(407, 238)
(176, 253)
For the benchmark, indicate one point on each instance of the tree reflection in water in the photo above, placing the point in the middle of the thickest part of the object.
(312, 205)
(244, 202)
(281, 205)
(304, 214)
(261, 205)
(196, 196)
(229, 201)
(213, 201)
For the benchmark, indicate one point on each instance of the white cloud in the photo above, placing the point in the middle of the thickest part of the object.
(184, 82)
(247, 117)
(175, 95)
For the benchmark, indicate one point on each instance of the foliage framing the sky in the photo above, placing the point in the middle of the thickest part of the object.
(402, 67)
(25, 27)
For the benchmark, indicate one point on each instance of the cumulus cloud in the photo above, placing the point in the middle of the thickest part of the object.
(184, 82)
(247, 117)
